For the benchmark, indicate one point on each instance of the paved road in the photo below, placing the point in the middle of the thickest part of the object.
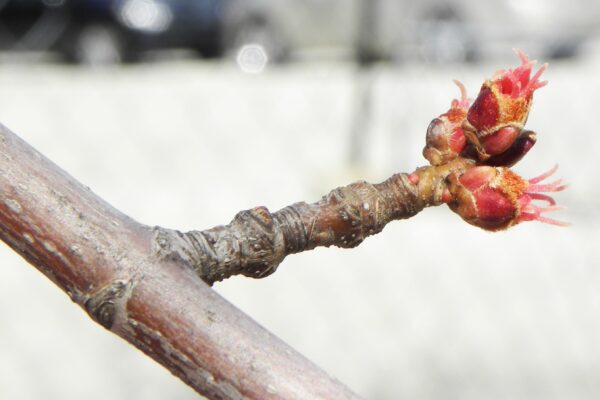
(429, 309)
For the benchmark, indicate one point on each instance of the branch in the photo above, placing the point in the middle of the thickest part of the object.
(470, 149)
(256, 241)
(112, 267)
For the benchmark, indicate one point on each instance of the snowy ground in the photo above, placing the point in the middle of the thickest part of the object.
(430, 309)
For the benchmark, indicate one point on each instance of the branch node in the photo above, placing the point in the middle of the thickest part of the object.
(252, 245)
(289, 220)
(102, 305)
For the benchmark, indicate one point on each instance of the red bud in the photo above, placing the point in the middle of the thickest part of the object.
(497, 198)
(498, 115)
(515, 153)
(501, 140)
(445, 138)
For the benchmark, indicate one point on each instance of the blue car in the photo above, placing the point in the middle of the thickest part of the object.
(109, 31)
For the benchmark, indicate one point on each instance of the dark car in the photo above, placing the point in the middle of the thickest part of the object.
(108, 31)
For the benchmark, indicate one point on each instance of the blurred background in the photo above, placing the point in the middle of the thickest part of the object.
(182, 112)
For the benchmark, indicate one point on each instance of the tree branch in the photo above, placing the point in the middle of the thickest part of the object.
(111, 266)
(256, 241)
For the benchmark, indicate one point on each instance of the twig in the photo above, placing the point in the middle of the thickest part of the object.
(256, 241)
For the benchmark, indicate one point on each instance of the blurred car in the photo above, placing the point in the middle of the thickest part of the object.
(454, 30)
(109, 31)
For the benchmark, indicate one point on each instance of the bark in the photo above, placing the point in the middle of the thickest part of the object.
(142, 283)
(256, 241)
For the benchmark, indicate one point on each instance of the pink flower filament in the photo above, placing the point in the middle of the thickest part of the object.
(533, 212)
(517, 82)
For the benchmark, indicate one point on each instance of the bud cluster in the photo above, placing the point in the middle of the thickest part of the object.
(490, 132)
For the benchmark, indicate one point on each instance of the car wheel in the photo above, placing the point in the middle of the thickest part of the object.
(96, 45)
(210, 51)
(259, 34)
(558, 51)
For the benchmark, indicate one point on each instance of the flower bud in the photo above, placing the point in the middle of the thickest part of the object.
(445, 138)
(495, 198)
(498, 114)
(500, 141)
(514, 153)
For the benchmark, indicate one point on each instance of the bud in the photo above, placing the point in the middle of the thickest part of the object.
(514, 153)
(445, 138)
(495, 198)
(496, 119)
